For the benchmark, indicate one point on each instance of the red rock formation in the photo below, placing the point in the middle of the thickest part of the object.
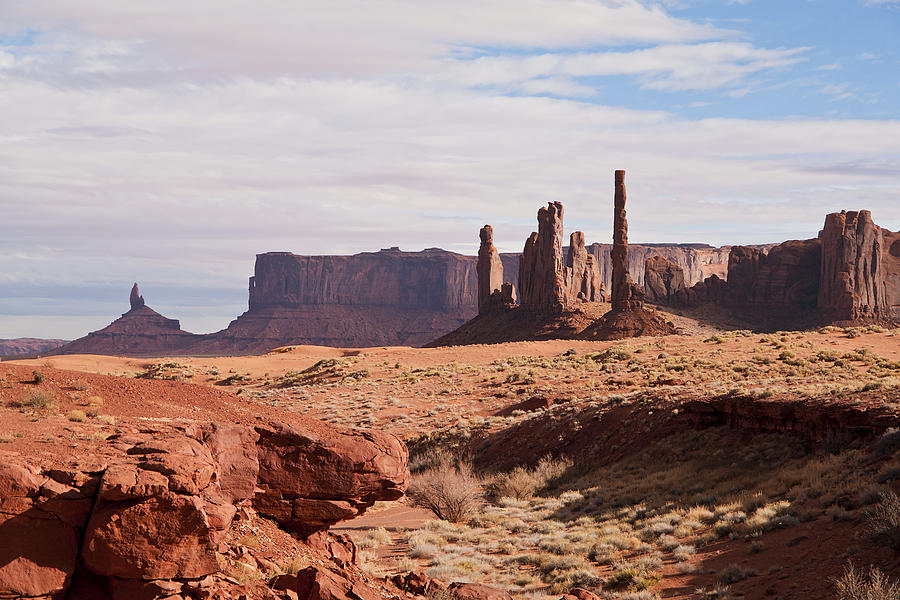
(542, 281)
(477, 591)
(847, 274)
(139, 332)
(26, 346)
(369, 299)
(308, 481)
(625, 295)
(146, 513)
(582, 274)
(852, 282)
(628, 318)
(494, 294)
(663, 281)
(136, 299)
(892, 270)
(490, 269)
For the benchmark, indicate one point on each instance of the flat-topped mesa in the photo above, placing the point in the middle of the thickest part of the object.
(625, 294)
(582, 272)
(852, 281)
(136, 299)
(490, 273)
(542, 274)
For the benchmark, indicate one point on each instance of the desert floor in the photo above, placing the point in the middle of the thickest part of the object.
(642, 495)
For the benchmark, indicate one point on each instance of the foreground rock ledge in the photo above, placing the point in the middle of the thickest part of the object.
(146, 512)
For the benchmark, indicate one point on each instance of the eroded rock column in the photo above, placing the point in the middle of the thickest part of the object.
(625, 295)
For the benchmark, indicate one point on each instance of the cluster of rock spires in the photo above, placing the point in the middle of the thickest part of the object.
(548, 285)
(552, 292)
(850, 273)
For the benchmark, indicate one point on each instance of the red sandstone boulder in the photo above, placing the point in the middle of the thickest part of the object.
(316, 583)
(313, 477)
(580, 594)
(39, 529)
(477, 591)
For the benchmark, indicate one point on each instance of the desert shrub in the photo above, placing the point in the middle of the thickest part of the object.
(37, 377)
(874, 585)
(39, 400)
(76, 416)
(451, 491)
(734, 573)
(633, 579)
(521, 483)
(615, 353)
(888, 442)
(883, 521)
(518, 483)
(374, 538)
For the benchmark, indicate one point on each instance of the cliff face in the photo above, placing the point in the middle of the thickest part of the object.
(849, 273)
(892, 270)
(385, 298)
(432, 279)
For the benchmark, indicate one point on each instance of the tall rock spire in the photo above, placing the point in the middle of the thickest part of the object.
(136, 299)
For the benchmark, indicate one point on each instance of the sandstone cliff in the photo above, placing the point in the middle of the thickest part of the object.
(369, 299)
(849, 273)
(892, 270)
(852, 277)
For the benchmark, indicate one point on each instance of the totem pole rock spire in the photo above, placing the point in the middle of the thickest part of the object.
(625, 294)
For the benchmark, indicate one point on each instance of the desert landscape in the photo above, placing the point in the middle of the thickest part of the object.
(470, 300)
(565, 442)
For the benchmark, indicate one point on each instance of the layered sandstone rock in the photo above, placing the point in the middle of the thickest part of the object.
(145, 515)
(542, 275)
(547, 285)
(582, 274)
(892, 270)
(139, 332)
(136, 299)
(309, 481)
(27, 346)
(626, 295)
(852, 281)
(490, 269)
(494, 294)
(368, 299)
(847, 274)
(663, 281)
(628, 318)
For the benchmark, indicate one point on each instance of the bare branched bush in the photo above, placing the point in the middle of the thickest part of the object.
(858, 585)
(451, 491)
(883, 520)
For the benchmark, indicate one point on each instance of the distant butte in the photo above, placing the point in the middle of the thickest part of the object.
(139, 332)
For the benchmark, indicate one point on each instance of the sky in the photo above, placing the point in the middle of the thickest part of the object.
(169, 142)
